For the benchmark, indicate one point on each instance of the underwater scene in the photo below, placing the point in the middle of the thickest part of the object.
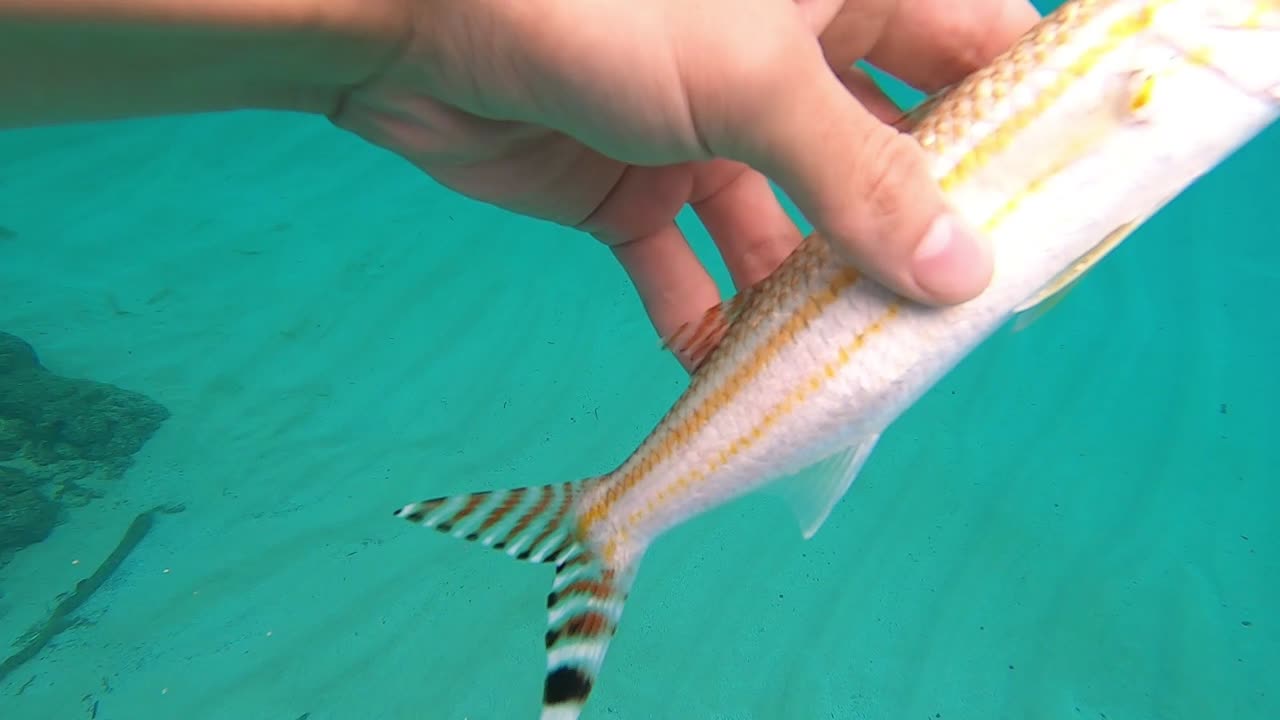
(231, 345)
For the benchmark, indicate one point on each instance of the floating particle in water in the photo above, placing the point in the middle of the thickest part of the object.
(8, 233)
(1222, 408)
(1246, 623)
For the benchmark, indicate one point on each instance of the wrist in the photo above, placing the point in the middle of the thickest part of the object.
(74, 60)
(320, 49)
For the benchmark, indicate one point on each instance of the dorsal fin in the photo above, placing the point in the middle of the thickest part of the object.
(907, 121)
(695, 340)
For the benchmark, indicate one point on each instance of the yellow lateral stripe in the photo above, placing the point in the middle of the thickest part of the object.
(699, 415)
(1000, 138)
(844, 355)
(1036, 184)
(1261, 10)
(974, 159)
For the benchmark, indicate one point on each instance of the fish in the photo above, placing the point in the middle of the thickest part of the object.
(1058, 150)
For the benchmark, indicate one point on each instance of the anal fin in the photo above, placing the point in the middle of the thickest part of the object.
(813, 492)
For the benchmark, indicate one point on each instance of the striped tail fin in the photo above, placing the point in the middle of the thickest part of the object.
(539, 524)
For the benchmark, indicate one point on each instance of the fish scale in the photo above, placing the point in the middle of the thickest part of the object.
(1058, 150)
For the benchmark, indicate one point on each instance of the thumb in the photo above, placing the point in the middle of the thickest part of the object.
(863, 185)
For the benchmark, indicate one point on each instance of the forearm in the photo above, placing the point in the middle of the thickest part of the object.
(79, 60)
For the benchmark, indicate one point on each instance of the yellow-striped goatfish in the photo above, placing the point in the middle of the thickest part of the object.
(1058, 150)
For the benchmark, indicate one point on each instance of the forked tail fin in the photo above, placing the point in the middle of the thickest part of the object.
(539, 524)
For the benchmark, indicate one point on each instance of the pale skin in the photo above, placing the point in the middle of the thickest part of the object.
(605, 115)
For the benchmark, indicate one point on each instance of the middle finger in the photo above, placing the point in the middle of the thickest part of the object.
(748, 224)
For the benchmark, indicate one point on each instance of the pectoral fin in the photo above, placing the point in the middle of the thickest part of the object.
(1050, 295)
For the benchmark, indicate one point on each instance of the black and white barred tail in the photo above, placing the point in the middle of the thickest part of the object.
(538, 524)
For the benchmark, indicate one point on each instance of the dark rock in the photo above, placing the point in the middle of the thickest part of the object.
(27, 515)
(49, 420)
(10, 440)
(56, 432)
(16, 354)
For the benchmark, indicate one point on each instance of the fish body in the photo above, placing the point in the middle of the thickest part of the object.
(1058, 150)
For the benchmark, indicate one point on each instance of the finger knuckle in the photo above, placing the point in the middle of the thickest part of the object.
(889, 163)
(746, 80)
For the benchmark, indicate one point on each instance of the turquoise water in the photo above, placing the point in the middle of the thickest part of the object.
(1079, 522)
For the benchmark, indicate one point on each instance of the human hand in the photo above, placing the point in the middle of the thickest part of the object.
(611, 116)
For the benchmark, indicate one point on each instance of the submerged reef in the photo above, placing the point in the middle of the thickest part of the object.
(61, 440)
(27, 515)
